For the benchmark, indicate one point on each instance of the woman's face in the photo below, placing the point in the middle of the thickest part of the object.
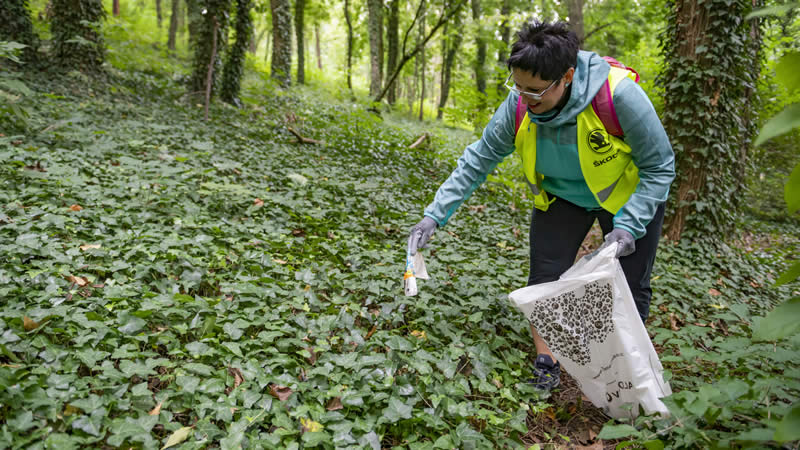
(525, 81)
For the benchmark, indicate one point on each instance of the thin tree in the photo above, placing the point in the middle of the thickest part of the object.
(349, 68)
(158, 12)
(214, 19)
(575, 11)
(115, 8)
(375, 31)
(318, 46)
(393, 43)
(299, 26)
(234, 65)
(173, 24)
(505, 38)
(281, 68)
(422, 64)
(480, 48)
(450, 45)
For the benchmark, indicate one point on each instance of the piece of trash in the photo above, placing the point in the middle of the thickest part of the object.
(415, 268)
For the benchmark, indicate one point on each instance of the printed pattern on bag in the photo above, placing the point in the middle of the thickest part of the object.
(569, 321)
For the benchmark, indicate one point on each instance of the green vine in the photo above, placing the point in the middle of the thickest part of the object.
(234, 66)
(16, 25)
(77, 41)
(712, 61)
(214, 10)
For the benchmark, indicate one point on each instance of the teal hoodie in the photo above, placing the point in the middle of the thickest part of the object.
(557, 150)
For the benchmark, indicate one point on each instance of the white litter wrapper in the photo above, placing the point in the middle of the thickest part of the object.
(415, 268)
(589, 321)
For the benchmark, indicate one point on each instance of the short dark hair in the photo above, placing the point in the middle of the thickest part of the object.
(544, 49)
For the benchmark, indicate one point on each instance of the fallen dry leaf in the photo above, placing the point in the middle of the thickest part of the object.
(88, 246)
(334, 404)
(280, 392)
(258, 202)
(673, 322)
(310, 425)
(29, 324)
(279, 261)
(714, 292)
(157, 410)
(76, 207)
(497, 383)
(238, 378)
(419, 334)
(70, 410)
(80, 281)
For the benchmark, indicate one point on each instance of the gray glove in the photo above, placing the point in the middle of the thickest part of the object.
(420, 234)
(626, 243)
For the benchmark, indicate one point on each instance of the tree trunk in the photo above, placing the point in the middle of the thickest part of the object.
(450, 47)
(393, 38)
(375, 29)
(173, 24)
(318, 47)
(18, 27)
(422, 65)
(115, 8)
(480, 48)
(299, 28)
(505, 38)
(158, 13)
(71, 20)
(349, 68)
(216, 18)
(710, 70)
(234, 66)
(281, 42)
(195, 20)
(575, 11)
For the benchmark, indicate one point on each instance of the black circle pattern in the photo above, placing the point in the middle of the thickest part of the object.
(569, 321)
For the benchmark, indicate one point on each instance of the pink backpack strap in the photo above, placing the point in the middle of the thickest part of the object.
(603, 105)
(521, 110)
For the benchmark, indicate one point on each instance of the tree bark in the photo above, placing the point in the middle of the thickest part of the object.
(234, 65)
(173, 24)
(318, 47)
(451, 44)
(71, 20)
(375, 29)
(349, 68)
(299, 26)
(480, 48)
(115, 8)
(505, 37)
(213, 27)
(422, 64)
(281, 68)
(158, 13)
(575, 11)
(393, 38)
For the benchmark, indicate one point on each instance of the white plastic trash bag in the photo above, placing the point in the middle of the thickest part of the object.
(591, 324)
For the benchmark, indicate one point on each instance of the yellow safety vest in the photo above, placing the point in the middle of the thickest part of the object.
(605, 159)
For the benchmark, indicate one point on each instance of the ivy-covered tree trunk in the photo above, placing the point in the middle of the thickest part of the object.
(349, 68)
(234, 65)
(173, 24)
(375, 30)
(299, 27)
(480, 48)
(451, 43)
(281, 67)
(708, 78)
(77, 42)
(215, 17)
(393, 42)
(16, 26)
(194, 18)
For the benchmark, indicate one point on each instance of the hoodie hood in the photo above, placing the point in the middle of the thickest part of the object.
(591, 72)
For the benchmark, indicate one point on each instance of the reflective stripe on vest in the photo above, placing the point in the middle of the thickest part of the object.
(605, 160)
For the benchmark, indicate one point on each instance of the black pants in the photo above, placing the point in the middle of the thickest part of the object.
(556, 236)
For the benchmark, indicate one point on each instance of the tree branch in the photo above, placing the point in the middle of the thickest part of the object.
(596, 30)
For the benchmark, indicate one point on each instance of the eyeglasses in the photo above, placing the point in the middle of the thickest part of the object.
(531, 95)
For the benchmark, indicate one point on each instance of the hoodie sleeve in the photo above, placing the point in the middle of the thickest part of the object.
(651, 152)
(478, 160)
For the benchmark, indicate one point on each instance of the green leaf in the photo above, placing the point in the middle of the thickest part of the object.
(396, 411)
(782, 123)
(756, 434)
(789, 427)
(130, 324)
(790, 275)
(791, 192)
(781, 322)
(178, 436)
(617, 431)
(787, 71)
(778, 10)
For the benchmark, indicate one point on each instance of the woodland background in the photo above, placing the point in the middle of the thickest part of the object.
(204, 207)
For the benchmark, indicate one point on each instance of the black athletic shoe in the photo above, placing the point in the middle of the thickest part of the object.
(546, 373)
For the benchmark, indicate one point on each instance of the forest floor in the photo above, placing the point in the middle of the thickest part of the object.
(216, 283)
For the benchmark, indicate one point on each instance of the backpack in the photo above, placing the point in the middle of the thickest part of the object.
(602, 104)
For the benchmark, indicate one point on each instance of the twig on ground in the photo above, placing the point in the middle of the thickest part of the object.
(418, 141)
(301, 139)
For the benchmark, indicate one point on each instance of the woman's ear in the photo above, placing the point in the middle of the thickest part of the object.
(568, 76)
